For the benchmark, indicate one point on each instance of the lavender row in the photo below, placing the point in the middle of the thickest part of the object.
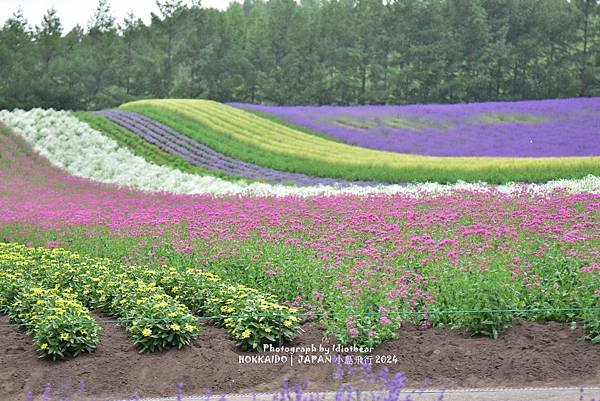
(176, 143)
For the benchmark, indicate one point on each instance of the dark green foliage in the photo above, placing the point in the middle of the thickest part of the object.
(480, 301)
(309, 52)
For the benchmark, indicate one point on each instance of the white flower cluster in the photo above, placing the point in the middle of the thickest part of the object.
(73, 145)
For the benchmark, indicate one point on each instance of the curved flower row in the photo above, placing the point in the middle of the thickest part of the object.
(175, 143)
(60, 324)
(71, 144)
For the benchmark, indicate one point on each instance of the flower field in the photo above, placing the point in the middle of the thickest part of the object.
(113, 155)
(476, 257)
(131, 217)
(198, 154)
(288, 198)
(548, 128)
(245, 136)
(48, 290)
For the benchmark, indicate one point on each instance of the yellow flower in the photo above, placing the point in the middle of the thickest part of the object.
(174, 289)
(293, 310)
(37, 291)
(43, 346)
(146, 332)
(83, 330)
(268, 330)
(175, 327)
(246, 333)
(189, 327)
(64, 336)
(287, 323)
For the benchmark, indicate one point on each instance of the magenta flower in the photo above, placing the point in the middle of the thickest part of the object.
(589, 269)
(385, 320)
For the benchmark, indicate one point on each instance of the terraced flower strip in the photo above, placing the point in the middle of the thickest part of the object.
(144, 149)
(248, 137)
(73, 145)
(201, 155)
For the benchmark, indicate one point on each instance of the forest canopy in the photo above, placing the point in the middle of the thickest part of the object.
(307, 52)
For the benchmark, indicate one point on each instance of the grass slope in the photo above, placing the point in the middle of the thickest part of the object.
(252, 138)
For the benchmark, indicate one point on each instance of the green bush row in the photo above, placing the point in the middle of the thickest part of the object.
(153, 319)
(252, 317)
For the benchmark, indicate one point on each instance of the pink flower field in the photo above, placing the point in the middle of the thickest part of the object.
(361, 265)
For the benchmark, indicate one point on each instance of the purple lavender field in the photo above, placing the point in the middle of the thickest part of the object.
(537, 128)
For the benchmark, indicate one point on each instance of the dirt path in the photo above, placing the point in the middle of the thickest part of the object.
(529, 354)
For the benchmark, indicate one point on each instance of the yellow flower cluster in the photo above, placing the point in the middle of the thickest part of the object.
(162, 294)
(123, 291)
(52, 313)
(251, 316)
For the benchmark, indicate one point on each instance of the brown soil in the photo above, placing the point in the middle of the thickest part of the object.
(529, 354)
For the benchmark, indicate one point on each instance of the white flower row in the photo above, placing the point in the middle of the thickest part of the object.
(73, 145)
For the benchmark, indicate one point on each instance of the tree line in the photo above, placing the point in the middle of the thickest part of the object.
(307, 52)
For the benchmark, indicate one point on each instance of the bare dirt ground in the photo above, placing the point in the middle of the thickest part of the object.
(529, 354)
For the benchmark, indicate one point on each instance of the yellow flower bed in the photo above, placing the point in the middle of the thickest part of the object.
(252, 317)
(153, 304)
(151, 317)
(60, 324)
